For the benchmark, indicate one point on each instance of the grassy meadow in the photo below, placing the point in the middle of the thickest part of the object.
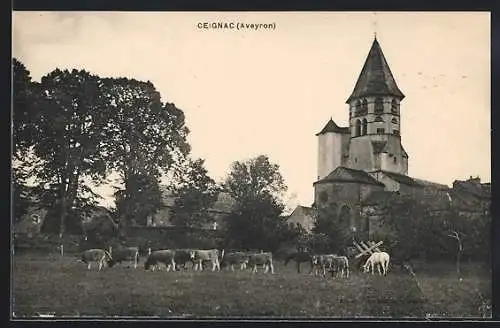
(64, 286)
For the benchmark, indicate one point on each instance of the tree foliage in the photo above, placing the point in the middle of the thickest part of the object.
(195, 193)
(331, 230)
(255, 178)
(144, 138)
(257, 186)
(139, 200)
(65, 132)
(22, 135)
(421, 232)
(23, 109)
(75, 126)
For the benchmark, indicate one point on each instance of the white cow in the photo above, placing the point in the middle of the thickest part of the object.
(165, 256)
(198, 256)
(124, 254)
(99, 256)
(379, 259)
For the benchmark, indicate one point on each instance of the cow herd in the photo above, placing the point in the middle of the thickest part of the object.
(176, 259)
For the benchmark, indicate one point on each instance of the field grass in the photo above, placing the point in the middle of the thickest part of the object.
(64, 286)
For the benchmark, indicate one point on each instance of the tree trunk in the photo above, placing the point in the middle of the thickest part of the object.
(63, 216)
(459, 255)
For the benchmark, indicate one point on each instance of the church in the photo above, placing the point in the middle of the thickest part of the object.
(366, 160)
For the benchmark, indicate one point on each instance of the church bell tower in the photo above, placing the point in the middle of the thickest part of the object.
(375, 118)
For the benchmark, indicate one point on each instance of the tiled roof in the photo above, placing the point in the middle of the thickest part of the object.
(414, 182)
(307, 210)
(344, 174)
(375, 77)
(331, 126)
(401, 178)
(427, 183)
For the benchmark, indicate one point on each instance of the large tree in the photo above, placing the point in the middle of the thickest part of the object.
(257, 186)
(254, 179)
(195, 193)
(71, 113)
(23, 110)
(144, 139)
(23, 113)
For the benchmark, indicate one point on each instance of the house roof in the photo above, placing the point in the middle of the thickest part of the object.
(331, 126)
(376, 77)
(473, 187)
(427, 183)
(224, 203)
(414, 182)
(401, 178)
(307, 210)
(344, 174)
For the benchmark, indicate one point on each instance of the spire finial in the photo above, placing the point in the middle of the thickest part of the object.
(375, 25)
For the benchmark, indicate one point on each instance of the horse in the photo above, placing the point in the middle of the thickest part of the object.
(300, 257)
(378, 259)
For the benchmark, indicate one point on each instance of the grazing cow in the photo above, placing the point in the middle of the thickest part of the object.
(341, 266)
(124, 254)
(182, 256)
(235, 258)
(300, 257)
(198, 256)
(264, 258)
(166, 256)
(323, 262)
(100, 256)
(379, 259)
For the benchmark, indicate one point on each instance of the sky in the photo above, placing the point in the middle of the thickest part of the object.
(269, 91)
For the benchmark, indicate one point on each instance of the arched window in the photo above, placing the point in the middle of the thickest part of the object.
(364, 107)
(394, 120)
(358, 128)
(357, 108)
(323, 197)
(379, 119)
(379, 105)
(394, 106)
(345, 218)
(395, 159)
(365, 127)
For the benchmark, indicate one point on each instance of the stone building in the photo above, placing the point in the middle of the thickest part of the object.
(471, 197)
(303, 216)
(95, 219)
(365, 162)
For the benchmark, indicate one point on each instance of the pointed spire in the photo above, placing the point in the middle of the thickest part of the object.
(331, 126)
(375, 77)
